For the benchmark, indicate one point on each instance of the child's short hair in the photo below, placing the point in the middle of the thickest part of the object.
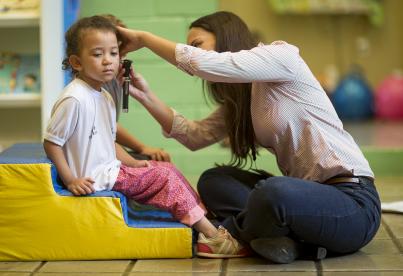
(74, 33)
(116, 21)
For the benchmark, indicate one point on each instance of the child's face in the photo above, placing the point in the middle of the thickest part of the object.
(98, 60)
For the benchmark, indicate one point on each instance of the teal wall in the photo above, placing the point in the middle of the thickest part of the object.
(170, 19)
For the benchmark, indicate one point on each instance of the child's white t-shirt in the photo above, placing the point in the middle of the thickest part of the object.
(83, 123)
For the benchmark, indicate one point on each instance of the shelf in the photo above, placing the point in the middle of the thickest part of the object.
(311, 7)
(37, 30)
(20, 100)
(19, 19)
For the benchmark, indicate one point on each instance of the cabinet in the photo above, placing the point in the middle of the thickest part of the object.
(23, 116)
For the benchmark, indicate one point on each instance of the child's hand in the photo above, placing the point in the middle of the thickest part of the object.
(139, 163)
(81, 186)
(156, 154)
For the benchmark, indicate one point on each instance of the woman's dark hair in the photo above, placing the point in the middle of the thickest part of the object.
(232, 35)
(73, 36)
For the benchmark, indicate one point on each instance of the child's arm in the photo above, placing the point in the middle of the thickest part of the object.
(127, 159)
(124, 138)
(78, 186)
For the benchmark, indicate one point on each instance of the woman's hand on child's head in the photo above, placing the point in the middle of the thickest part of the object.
(131, 40)
(81, 186)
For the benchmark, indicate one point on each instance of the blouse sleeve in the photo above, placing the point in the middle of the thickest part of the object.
(265, 63)
(63, 121)
(198, 134)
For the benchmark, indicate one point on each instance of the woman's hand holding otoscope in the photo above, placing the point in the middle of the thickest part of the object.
(133, 84)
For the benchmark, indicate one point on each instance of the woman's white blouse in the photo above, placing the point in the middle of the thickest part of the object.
(291, 114)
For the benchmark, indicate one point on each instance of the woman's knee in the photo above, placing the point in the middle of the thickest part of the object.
(208, 173)
(277, 187)
(209, 179)
(273, 192)
(217, 171)
(204, 182)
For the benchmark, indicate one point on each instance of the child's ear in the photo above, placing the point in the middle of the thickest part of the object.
(75, 62)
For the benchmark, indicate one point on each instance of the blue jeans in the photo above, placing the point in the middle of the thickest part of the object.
(340, 217)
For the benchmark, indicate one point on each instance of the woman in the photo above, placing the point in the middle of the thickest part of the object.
(268, 97)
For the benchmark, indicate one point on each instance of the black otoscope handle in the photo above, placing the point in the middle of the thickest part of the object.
(126, 82)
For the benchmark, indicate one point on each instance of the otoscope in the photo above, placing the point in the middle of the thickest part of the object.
(126, 82)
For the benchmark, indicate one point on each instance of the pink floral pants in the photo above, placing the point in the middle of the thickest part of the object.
(163, 186)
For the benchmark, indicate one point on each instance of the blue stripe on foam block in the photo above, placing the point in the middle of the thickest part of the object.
(24, 154)
(34, 154)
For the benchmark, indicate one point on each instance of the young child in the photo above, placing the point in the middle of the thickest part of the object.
(134, 146)
(80, 140)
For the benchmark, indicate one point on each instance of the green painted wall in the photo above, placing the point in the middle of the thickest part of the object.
(170, 19)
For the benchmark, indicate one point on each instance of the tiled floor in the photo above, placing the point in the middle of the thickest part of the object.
(383, 256)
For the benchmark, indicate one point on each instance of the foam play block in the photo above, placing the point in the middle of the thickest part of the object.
(41, 220)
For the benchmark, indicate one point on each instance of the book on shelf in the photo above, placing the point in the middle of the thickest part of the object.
(19, 73)
(9, 6)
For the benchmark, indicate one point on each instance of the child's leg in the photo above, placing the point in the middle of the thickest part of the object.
(206, 227)
(217, 243)
(162, 186)
(213, 242)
